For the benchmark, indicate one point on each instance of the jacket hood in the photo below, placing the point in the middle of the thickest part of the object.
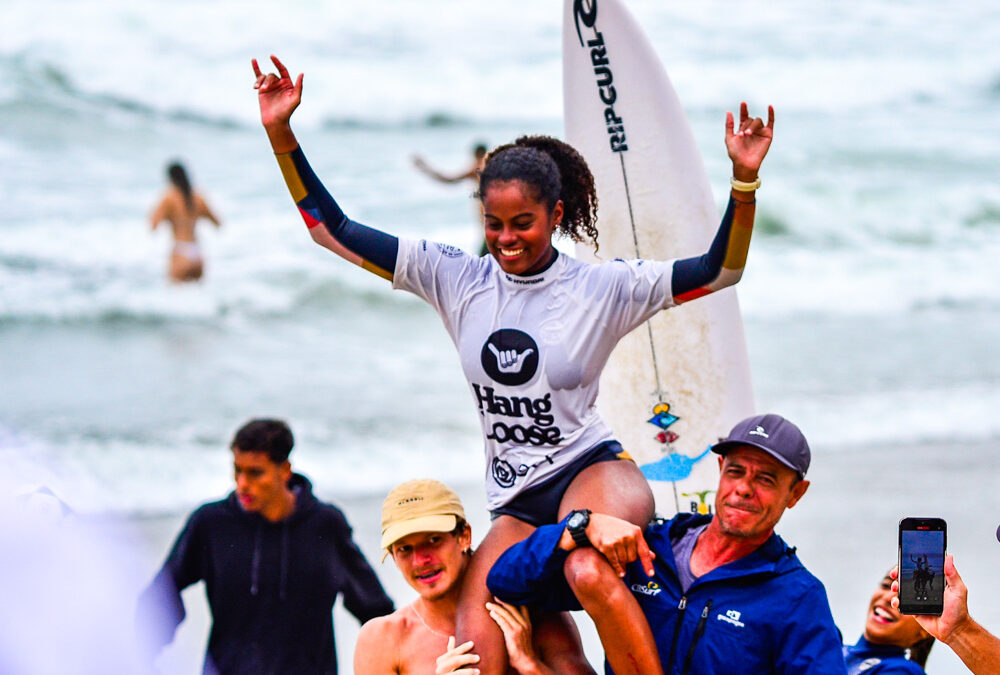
(305, 501)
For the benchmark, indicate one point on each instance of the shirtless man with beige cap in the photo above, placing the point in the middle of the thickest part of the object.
(425, 531)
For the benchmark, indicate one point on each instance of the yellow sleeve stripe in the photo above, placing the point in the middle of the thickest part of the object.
(291, 176)
(739, 238)
(375, 269)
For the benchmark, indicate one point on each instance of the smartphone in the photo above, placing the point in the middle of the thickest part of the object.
(922, 544)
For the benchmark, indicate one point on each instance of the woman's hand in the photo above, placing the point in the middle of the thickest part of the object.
(748, 145)
(277, 94)
(456, 659)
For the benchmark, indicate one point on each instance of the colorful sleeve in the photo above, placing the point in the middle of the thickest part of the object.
(366, 247)
(723, 265)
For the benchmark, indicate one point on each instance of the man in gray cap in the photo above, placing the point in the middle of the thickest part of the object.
(718, 590)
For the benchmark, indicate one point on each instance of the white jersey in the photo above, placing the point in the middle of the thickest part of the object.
(533, 347)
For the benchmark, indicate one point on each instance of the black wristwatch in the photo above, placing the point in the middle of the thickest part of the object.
(577, 526)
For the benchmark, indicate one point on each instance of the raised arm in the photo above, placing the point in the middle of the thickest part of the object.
(722, 265)
(426, 168)
(366, 247)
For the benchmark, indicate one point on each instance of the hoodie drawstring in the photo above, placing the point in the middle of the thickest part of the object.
(284, 560)
(255, 563)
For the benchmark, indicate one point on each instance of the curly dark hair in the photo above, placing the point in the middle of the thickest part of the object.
(552, 170)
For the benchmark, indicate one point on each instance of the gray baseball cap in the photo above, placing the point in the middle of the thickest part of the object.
(774, 435)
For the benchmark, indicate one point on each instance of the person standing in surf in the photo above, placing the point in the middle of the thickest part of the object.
(479, 151)
(534, 329)
(182, 207)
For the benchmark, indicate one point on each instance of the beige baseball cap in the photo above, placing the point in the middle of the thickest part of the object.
(423, 505)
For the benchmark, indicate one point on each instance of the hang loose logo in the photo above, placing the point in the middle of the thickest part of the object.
(510, 357)
(510, 360)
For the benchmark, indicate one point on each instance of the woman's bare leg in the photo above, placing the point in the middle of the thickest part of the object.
(618, 489)
(473, 620)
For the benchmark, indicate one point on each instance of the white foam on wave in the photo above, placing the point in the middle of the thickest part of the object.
(171, 475)
(948, 414)
(387, 60)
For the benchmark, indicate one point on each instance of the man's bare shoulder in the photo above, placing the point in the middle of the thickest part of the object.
(397, 643)
(376, 650)
(389, 626)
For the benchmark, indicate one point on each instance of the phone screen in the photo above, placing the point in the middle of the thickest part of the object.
(921, 565)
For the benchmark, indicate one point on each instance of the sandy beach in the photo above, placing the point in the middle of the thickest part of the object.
(845, 531)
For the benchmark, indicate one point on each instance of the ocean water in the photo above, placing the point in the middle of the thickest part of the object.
(871, 297)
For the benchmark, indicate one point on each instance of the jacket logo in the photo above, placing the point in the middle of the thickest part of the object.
(733, 617)
(650, 588)
(868, 664)
(759, 431)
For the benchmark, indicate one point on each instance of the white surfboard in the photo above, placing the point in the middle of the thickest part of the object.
(677, 384)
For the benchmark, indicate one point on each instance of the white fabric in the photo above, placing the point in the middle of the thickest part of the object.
(573, 313)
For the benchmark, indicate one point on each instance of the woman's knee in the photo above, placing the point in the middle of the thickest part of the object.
(591, 576)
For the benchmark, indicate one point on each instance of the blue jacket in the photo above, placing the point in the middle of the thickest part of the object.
(871, 659)
(763, 613)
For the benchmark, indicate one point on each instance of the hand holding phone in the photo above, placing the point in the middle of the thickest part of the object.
(922, 545)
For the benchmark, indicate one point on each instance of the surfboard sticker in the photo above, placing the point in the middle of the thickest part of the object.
(675, 385)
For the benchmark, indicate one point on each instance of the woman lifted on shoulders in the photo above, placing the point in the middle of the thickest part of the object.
(533, 329)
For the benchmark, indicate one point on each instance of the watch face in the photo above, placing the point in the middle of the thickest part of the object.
(576, 520)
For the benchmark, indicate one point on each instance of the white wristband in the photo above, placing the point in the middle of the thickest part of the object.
(740, 186)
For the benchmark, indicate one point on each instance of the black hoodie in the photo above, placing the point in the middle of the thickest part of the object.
(271, 586)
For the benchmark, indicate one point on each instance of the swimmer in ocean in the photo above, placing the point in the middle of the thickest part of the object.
(181, 206)
(471, 174)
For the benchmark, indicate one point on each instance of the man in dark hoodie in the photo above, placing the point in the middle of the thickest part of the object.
(274, 558)
(721, 593)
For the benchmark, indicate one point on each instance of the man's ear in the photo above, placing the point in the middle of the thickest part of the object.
(798, 490)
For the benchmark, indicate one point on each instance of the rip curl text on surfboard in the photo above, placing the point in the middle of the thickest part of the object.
(585, 14)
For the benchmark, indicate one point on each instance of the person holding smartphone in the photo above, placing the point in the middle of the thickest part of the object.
(977, 647)
(892, 642)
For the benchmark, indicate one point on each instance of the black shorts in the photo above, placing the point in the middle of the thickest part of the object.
(539, 505)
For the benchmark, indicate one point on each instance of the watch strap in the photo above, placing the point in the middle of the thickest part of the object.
(579, 533)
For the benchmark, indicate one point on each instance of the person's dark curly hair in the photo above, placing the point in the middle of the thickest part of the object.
(553, 170)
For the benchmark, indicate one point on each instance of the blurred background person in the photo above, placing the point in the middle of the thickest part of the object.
(182, 207)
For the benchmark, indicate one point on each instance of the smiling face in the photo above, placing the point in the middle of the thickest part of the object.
(433, 563)
(754, 490)
(885, 625)
(519, 227)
